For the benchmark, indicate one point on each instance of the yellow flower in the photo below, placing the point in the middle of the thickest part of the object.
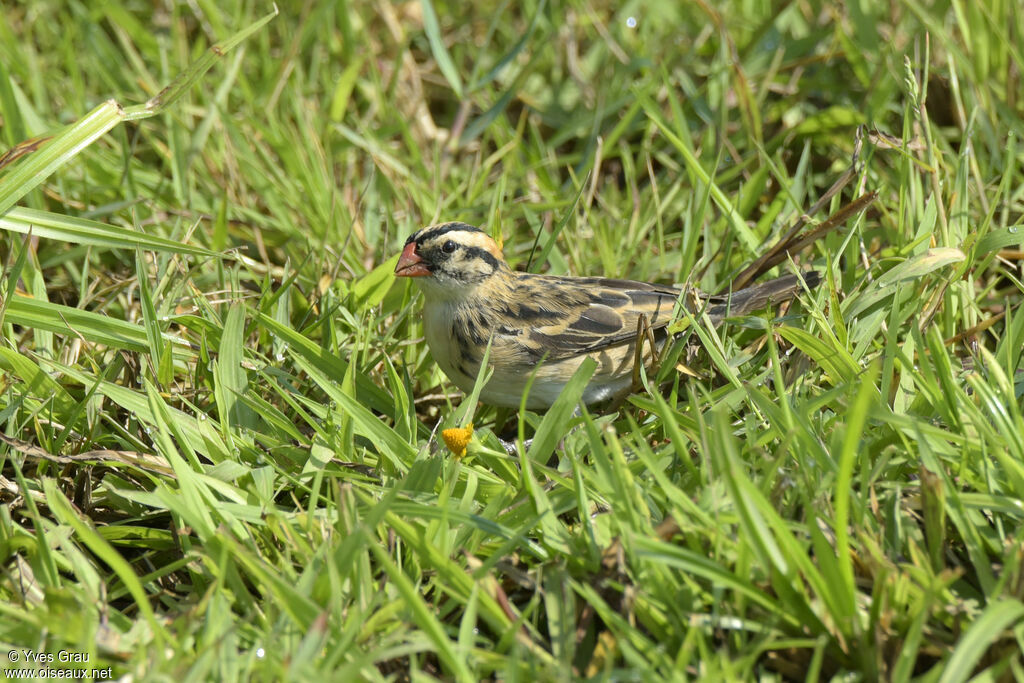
(457, 439)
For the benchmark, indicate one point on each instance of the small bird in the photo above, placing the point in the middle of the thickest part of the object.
(546, 325)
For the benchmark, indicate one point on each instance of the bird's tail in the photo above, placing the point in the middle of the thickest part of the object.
(745, 301)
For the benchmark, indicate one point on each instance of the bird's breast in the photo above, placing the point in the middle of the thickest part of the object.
(456, 343)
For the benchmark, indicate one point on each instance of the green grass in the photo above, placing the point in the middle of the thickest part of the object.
(223, 457)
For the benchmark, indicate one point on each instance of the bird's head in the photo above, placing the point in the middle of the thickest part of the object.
(450, 259)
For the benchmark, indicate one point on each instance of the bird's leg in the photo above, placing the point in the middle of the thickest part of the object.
(643, 331)
(638, 350)
(510, 445)
(509, 431)
(509, 439)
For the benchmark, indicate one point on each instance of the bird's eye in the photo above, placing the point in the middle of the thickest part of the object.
(449, 247)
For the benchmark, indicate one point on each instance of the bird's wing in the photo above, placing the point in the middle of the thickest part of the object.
(569, 317)
(559, 318)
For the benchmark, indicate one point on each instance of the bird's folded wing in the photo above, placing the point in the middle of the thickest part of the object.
(607, 317)
(603, 313)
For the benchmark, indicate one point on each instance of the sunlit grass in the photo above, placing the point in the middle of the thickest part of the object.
(223, 455)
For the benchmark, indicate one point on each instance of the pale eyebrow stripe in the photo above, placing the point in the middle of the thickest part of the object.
(445, 228)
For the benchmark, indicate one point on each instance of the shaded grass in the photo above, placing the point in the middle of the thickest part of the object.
(207, 308)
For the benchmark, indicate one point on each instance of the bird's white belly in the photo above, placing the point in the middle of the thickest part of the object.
(507, 390)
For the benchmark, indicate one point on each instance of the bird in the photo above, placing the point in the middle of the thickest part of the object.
(544, 326)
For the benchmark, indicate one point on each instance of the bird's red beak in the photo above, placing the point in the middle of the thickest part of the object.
(410, 264)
